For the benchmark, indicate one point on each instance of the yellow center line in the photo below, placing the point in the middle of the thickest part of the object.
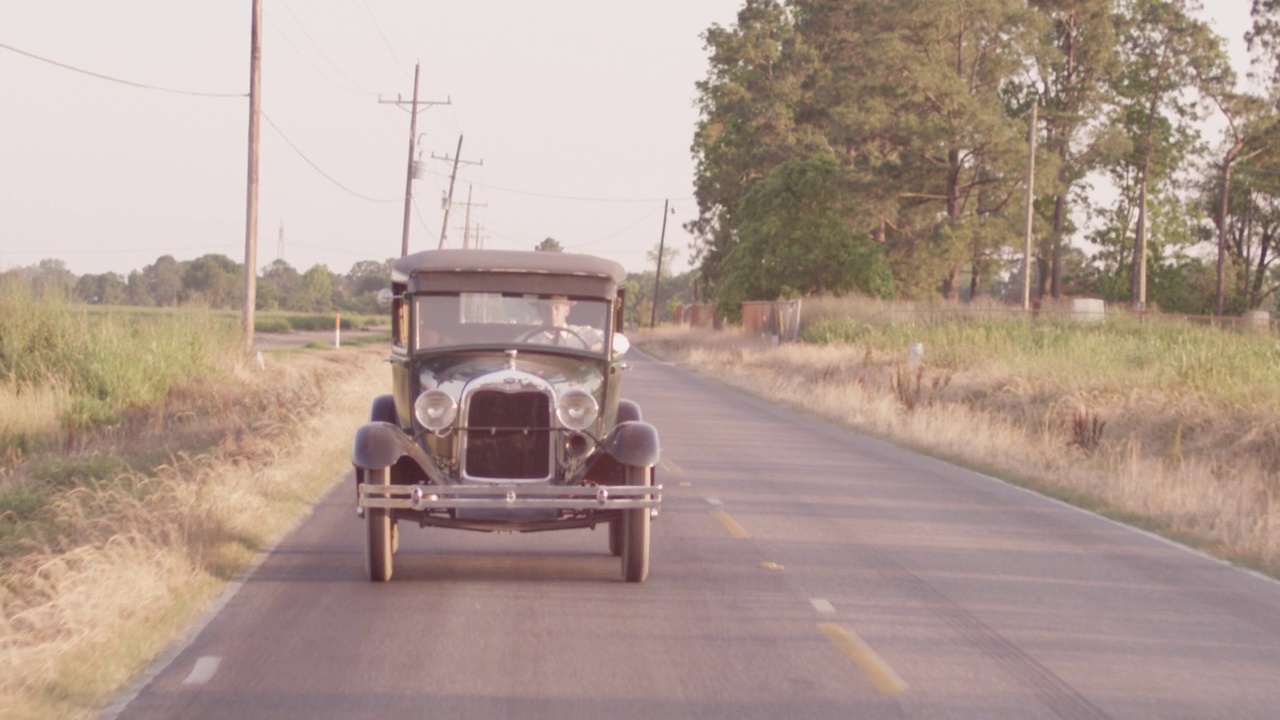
(876, 669)
(729, 523)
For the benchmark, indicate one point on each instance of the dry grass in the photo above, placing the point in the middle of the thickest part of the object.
(1199, 467)
(104, 574)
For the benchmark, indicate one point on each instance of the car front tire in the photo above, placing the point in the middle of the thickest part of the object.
(378, 544)
(615, 537)
(635, 531)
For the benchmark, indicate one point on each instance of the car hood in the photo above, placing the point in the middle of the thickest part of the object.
(452, 373)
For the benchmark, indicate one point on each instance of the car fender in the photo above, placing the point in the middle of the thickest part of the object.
(628, 410)
(383, 409)
(382, 444)
(633, 443)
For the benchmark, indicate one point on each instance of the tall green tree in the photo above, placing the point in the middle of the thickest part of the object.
(1166, 57)
(747, 122)
(1075, 56)
(796, 239)
(926, 119)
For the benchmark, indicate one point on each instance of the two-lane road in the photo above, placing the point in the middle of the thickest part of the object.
(799, 571)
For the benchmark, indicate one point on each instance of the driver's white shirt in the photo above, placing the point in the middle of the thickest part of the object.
(569, 336)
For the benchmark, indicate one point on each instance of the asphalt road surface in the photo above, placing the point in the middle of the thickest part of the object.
(799, 571)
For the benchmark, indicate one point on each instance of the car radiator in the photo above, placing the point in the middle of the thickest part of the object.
(508, 436)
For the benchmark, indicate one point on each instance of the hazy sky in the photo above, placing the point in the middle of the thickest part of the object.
(581, 111)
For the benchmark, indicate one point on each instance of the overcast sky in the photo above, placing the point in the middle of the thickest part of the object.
(581, 112)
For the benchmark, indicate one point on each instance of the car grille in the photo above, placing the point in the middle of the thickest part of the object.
(508, 436)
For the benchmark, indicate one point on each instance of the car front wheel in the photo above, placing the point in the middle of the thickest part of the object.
(635, 531)
(378, 544)
(615, 537)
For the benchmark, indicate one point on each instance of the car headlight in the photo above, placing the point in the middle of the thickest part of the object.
(577, 410)
(435, 410)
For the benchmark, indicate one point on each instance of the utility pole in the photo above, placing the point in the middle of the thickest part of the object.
(413, 139)
(251, 189)
(466, 225)
(662, 239)
(1031, 196)
(466, 228)
(448, 202)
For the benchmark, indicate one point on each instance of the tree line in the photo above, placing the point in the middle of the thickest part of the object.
(216, 281)
(882, 148)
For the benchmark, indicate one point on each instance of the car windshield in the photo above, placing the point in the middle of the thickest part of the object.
(448, 320)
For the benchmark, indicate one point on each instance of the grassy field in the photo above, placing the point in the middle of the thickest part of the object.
(1169, 426)
(147, 465)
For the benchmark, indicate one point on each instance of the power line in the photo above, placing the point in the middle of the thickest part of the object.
(421, 221)
(385, 42)
(130, 83)
(313, 66)
(614, 235)
(564, 197)
(322, 172)
(316, 45)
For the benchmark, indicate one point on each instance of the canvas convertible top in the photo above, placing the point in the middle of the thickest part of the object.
(516, 261)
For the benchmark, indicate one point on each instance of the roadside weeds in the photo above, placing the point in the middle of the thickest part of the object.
(110, 571)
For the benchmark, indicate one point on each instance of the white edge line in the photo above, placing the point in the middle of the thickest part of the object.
(822, 606)
(1062, 503)
(162, 663)
(203, 671)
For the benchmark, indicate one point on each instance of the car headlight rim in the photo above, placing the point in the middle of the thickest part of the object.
(577, 410)
(435, 410)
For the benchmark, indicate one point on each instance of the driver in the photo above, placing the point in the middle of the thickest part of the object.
(556, 330)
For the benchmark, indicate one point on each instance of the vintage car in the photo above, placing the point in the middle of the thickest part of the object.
(505, 412)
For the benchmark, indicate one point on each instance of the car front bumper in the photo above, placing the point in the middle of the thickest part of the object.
(513, 497)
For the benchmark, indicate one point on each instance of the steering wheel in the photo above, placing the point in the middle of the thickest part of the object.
(552, 334)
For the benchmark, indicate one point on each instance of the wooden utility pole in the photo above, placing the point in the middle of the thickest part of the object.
(408, 173)
(1031, 196)
(251, 190)
(662, 239)
(413, 141)
(466, 228)
(453, 176)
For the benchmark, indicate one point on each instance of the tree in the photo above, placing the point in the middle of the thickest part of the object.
(747, 122)
(549, 245)
(1074, 58)
(278, 286)
(795, 240)
(138, 290)
(362, 283)
(1165, 53)
(910, 98)
(51, 277)
(1251, 126)
(105, 289)
(164, 281)
(315, 290)
(669, 257)
(213, 280)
